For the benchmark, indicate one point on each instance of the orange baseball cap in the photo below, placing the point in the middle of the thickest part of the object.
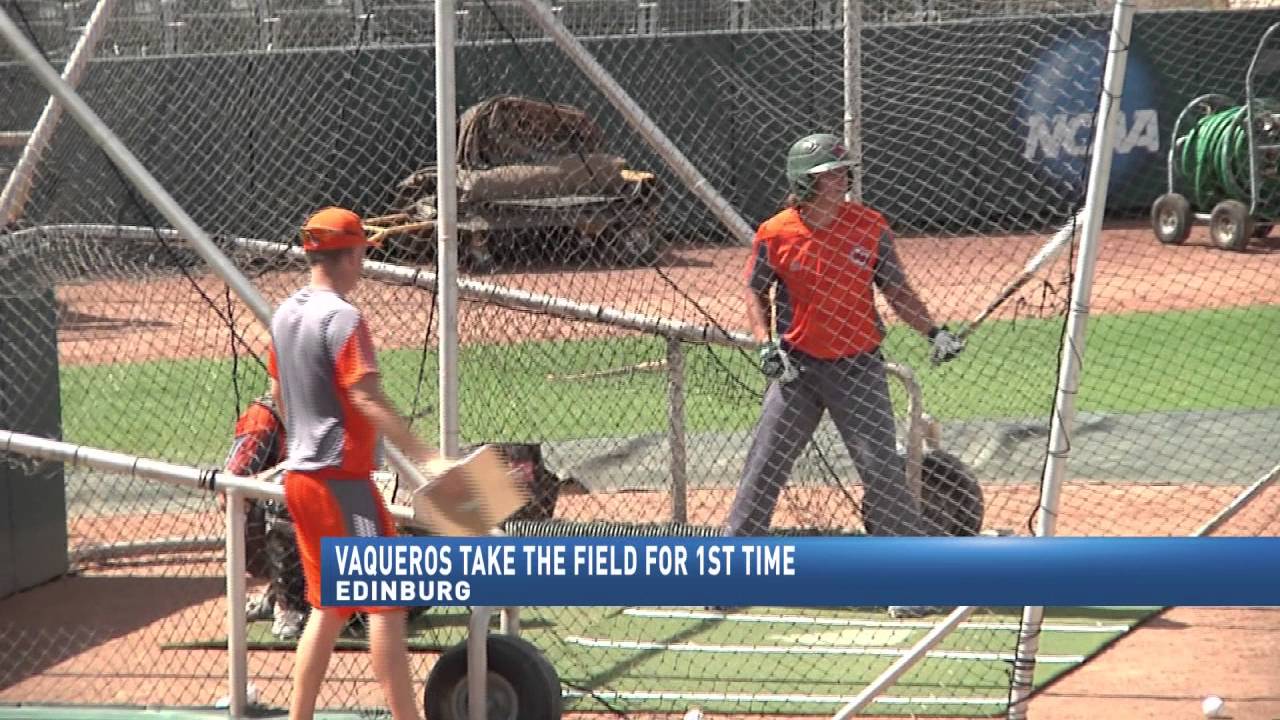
(334, 228)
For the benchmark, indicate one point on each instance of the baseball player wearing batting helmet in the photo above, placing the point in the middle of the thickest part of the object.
(824, 256)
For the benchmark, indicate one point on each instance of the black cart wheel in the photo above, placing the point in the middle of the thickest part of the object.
(951, 501)
(1171, 218)
(1230, 225)
(521, 685)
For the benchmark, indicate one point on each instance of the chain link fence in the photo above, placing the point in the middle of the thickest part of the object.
(604, 326)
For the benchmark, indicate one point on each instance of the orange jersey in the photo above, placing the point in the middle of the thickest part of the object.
(826, 279)
(320, 347)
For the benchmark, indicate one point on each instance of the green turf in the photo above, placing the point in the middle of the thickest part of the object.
(713, 655)
(1141, 362)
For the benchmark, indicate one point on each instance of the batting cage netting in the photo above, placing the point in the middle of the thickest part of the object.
(648, 217)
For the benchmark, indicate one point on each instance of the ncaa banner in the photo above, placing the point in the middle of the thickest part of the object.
(800, 572)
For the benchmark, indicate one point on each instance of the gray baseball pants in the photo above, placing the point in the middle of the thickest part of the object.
(856, 393)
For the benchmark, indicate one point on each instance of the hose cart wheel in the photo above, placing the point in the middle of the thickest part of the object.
(1171, 218)
(1230, 225)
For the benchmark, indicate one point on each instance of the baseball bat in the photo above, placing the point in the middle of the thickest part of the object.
(1037, 262)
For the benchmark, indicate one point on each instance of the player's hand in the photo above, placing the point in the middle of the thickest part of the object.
(770, 362)
(775, 364)
(945, 346)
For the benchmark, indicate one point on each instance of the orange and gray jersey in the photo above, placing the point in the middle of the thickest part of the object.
(825, 301)
(320, 347)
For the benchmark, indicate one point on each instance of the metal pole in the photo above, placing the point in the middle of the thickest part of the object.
(478, 662)
(447, 290)
(446, 225)
(482, 292)
(17, 189)
(676, 431)
(915, 427)
(853, 93)
(237, 643)
(159, 197)
(509, 621)
(904, 663)
(639, 120)
(1235, 506)
(1073, 350)
(135, 467)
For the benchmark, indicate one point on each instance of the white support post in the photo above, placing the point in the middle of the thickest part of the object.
(446, 224)
(17, 189)
(1073, 349)
(237, 643)
(639, 120)
(853, 93)
(141, 468)
(904, 663)
(160, 198)
(473, 290)
(478, 662)
(676, 431)
(509, 621)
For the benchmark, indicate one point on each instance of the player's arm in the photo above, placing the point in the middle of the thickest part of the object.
(277, 396)
(897, 290)
(273, 372)
(369, 400)
(760, 278)
(357, 371)
(908, 305)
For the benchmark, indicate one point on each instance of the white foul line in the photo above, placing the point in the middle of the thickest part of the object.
(808, 650)
(770, 697)
(857, 622)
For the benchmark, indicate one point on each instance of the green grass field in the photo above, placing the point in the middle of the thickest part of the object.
(772, 660)
(1141, 362)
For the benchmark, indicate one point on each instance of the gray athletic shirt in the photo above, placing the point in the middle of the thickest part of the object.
(320, 347)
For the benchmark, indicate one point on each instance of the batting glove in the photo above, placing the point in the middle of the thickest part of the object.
(775, 364)
(945, 345)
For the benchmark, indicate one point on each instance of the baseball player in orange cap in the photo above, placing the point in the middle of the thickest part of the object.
(325, 379)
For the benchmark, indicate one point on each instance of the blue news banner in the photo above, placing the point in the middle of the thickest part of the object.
(800, 572)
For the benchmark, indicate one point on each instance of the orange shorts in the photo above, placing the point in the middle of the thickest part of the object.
(327, 504)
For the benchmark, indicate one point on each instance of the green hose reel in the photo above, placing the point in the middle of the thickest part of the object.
(1214, 158)
(1226, 155)
(1211, 158)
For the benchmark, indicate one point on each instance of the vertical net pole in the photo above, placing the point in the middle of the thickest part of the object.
(478, 662)
(446, 225)
(18, 187)
(853, 93)
(1073, 347)
(237, 645)
(676, 425)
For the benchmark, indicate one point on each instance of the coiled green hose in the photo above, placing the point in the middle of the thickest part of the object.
(1214, 158)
